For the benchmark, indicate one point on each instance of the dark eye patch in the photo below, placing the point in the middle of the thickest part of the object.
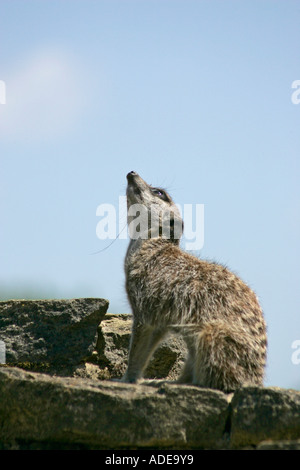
(160, 193)
(137, 191)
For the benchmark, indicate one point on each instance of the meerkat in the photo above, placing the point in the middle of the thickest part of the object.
(170, 290)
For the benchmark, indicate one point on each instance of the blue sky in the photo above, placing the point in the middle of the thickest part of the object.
(193, 95)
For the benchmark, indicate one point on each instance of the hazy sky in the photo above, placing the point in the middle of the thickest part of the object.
(196, 96)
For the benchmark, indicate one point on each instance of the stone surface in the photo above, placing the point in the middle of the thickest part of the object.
(279, 445)
(72, 407)
(38, 411)
(113, 343)
(43, 333)
(260, 414)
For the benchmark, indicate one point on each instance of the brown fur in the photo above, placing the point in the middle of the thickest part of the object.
(172, 291)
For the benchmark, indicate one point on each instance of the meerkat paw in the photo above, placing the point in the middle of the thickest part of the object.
(128, 379)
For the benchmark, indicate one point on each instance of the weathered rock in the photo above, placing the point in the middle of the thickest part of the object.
(260, 414)
(58, 336)
(279, 445)
(81, 410)
(38, 411)
(111, 351)
(40, 333)
(113, 344)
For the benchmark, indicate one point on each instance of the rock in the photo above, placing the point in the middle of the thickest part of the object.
(65, 336)
(40, 411)
(260, 414)
(76, 405)
(47, 333)
(113, 344)
(279, 445)
(111, 351)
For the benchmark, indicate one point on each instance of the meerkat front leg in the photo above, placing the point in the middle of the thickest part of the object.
(144, 339)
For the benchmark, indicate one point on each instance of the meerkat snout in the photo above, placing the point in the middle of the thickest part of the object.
(151, 211)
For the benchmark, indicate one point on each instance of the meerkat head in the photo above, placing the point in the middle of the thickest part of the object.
(151, 212)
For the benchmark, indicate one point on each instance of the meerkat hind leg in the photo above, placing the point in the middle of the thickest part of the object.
(221, 360)
(144, 340)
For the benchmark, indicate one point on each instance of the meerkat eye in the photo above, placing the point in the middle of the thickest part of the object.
(159, 192)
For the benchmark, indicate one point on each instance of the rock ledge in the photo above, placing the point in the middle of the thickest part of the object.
(72, 407)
